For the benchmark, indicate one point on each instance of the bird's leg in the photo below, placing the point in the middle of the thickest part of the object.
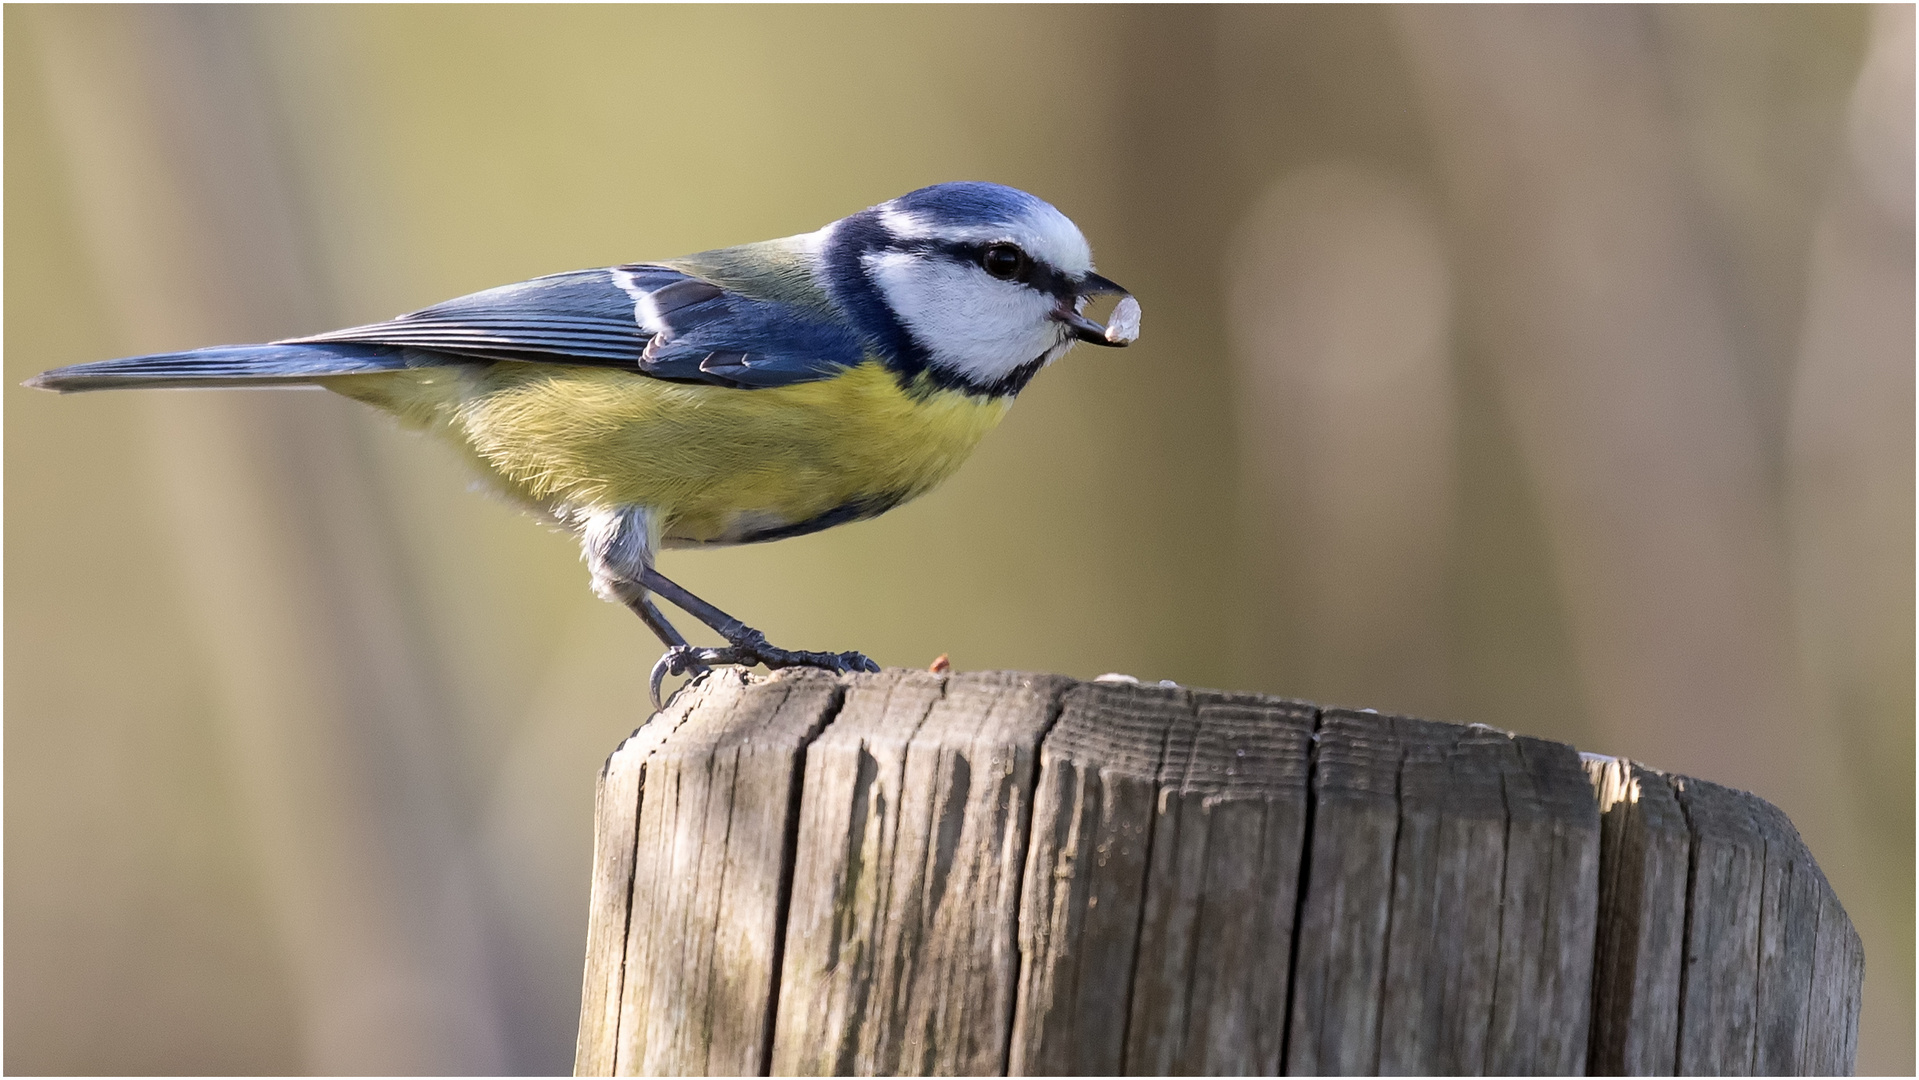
(678, 658)
(745, 645)
(642, 606)
(619, 543)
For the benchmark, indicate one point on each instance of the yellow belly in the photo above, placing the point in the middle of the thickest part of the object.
(714, 462)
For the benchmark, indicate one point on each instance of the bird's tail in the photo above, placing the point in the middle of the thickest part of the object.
(224, 365)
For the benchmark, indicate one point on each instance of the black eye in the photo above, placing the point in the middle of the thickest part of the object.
(1003, 261)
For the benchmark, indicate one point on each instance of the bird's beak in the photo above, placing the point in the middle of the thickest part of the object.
(1120, 329)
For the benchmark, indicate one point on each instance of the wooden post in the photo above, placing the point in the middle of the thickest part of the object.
(996, 873)
(696, 843)
(901, 948)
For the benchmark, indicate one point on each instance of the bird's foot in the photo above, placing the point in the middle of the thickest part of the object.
(750, 647)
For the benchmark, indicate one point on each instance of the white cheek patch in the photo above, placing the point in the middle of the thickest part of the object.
(971, 323)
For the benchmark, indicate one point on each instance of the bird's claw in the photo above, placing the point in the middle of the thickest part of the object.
(749, 649)
(681, 659)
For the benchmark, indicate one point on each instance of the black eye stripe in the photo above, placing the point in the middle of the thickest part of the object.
(1036, 274)
(1048, 280)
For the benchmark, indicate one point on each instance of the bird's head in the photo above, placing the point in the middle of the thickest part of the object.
(987, 284)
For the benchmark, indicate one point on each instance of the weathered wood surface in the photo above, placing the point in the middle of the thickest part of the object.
(910, 873)
(1645, 846)
(1217, 917)
(1158, 918)
(1754, 978)
(901, 945)
(616, 800)
(1085, 878)
(710, 818)
(1448, 920)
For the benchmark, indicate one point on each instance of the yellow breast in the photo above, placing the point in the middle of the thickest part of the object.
(717, 463)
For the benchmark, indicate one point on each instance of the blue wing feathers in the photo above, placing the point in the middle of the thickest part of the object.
(581, 317)
(684, 293)
(226, 365)
(696, 331)
(750, 343)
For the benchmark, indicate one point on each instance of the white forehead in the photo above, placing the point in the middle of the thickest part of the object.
(1040, 230)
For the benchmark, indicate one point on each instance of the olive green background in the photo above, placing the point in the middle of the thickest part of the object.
(1550, 369)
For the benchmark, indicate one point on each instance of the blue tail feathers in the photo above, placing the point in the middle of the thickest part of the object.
(226, 365)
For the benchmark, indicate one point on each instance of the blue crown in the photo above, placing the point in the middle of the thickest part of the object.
(970, 202)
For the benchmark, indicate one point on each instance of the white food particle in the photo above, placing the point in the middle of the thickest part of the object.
(1123, 327)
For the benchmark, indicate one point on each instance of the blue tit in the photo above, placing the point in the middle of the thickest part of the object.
(729, 397)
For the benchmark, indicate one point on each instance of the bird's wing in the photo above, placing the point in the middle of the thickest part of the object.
(652, 319)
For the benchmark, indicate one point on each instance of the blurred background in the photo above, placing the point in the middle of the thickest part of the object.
(1546, 367)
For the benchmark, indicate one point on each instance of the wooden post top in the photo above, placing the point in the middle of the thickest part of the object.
(1007, 873)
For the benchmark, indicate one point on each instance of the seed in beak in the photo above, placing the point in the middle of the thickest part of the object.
(1120, 331)
(1122, 327)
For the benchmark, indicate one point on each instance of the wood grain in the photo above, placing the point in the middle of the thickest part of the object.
(1216, 925)
(1763, 985)
(1718, 1007)
(616, 812)
(1542, 1004)
(1645, 846)
(1447, 925)
(1443, 944)
(713, 845)
(1086, 874)
(1831, 1042)
(1341, 963)
(901, 949)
